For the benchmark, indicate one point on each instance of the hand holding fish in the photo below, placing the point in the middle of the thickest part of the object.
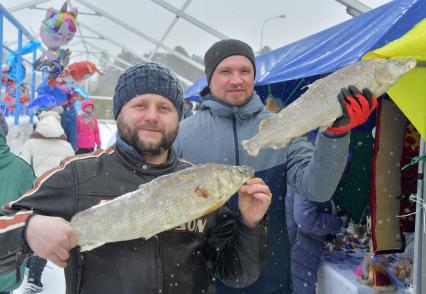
(160, 205)
(318, 106)
(254, 199)
(356, 107)
(51, 238)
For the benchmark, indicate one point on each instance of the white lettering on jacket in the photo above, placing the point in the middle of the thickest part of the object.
(195, 226)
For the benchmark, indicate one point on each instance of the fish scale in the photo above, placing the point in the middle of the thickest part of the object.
(319, 106)
(162, 204)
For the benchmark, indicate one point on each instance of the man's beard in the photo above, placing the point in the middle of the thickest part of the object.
(130, 136)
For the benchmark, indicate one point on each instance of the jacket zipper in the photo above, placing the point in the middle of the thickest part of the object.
(264, 238)
(80, 273)
(234, 128)
(161, 277)
(19, 259)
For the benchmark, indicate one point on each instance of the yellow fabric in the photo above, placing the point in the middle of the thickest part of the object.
(409, 93)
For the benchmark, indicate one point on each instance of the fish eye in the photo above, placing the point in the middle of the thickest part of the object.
(241, 169)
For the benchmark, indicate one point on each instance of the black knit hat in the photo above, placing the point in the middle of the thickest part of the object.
(223, 49)
(148, 78)
(3, 123)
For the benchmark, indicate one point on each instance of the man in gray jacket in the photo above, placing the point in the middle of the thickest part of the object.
(230, 112)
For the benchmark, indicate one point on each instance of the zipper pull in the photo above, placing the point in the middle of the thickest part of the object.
(18, 262)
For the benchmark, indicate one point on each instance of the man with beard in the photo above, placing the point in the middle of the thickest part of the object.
(147, 106)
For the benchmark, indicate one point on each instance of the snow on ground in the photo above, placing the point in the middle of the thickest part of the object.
(107, 128)
(53, 276)
(18, 134)
(53, 281)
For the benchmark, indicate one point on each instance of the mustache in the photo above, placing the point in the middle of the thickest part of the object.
(153, 127)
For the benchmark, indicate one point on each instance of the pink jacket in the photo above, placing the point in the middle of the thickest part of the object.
(87, 133)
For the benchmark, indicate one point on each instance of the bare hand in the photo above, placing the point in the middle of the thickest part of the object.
(254, 199)
(51, 238)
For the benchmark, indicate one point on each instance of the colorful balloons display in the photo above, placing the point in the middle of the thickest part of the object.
(60, 81)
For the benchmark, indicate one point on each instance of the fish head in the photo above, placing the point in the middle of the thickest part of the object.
(240, 174)
(388, 71)
(229, 180)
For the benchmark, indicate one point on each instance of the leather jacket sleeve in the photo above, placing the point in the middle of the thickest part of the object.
(236, 253)
(45, 198)
(54, 194)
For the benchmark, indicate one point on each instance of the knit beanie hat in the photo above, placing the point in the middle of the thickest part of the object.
(148, 78)
(3, 123)
(45, 114)
(223, 49)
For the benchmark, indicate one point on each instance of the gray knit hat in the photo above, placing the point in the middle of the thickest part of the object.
(223, 49)
(148, 78)
(3, 123)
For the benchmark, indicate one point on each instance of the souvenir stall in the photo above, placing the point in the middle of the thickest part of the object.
(381, 192)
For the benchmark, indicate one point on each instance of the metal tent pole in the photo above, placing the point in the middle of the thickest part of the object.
(141, 34)
(420, 235)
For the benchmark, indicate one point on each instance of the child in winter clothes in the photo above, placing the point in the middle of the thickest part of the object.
(308, 225)
(87, 129)
(47, 145)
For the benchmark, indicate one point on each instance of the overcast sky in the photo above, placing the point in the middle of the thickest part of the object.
(241, 19)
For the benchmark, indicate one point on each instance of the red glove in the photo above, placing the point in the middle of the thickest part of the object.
(356, 109)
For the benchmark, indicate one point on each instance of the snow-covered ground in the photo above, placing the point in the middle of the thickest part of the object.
(52, 279)
(18, 134)
(107, 128)
(53, 276)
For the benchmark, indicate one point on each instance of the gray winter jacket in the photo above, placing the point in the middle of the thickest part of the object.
(214, 135)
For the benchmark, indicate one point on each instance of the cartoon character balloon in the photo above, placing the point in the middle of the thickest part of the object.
(58, 27)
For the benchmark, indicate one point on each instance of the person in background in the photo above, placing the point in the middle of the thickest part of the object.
(16, 177)
(45, 149)
(148, 105)
(187, 108)
(196, 108)
(47, 145)
(69, 124)
(230, 112)
(308, 225)
(88, 137)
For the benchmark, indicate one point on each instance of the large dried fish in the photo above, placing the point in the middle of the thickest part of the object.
(319, 106)
(162, 204)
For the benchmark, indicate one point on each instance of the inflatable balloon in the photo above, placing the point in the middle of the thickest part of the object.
(12, 60)
(43, 101)
(78, 93)
(11, 94)
(79, 71)
(52, 67)
(58, 27)
(50, 94)
(13, 69)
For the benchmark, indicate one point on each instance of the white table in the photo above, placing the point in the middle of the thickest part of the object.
(336, 279)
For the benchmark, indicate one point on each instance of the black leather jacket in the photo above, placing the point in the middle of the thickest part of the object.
(183, 260)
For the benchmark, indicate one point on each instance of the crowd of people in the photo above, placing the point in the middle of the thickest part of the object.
(244, 246)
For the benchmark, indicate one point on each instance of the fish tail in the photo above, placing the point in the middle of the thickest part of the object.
(90, 246)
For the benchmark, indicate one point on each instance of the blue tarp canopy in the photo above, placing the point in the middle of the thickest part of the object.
(335, 47)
